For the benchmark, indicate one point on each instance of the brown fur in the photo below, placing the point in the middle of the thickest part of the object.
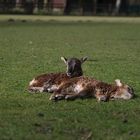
(56, 77)
(82, 87)
(48, 79)
(52, 81)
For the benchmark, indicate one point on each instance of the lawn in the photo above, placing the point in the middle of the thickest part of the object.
(32, 47)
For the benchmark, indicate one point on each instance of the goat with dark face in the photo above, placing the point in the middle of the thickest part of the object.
(74, 68)
(48, 82)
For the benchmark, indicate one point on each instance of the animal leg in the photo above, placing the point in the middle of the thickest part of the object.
(56, 96)
(81, 94)
(35, 89)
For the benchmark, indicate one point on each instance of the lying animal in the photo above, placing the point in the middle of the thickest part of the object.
(83, 87)
(48, 82)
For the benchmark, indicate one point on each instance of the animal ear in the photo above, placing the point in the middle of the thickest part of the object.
(64, 59)
(83, 59)
(118, 82)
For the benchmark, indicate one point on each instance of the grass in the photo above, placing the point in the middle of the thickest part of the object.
(70, 18)
(34, 47)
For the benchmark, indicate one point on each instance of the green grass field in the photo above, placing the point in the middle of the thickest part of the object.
(29, 48)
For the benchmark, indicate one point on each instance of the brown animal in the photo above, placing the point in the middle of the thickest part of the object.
(83, 87)
(48, 82)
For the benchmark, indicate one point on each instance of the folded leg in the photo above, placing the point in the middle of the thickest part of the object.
(82, 94)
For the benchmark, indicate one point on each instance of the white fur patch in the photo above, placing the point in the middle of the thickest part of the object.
(78, 88)
(118, 82)
(126, 95)
(33, 82)
(37, 89)
(52, 88)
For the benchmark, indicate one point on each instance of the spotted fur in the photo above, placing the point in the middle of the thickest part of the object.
(83, 87)
(52, 81)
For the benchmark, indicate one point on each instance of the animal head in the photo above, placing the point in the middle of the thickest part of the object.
(74, 68)
(123, 90)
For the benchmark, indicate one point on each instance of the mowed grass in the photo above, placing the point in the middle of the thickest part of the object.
(31, 48)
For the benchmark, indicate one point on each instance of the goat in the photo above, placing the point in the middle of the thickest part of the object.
(48, 82)
(83, 87)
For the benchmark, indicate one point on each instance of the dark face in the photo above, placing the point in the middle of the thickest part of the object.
(74, 68)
